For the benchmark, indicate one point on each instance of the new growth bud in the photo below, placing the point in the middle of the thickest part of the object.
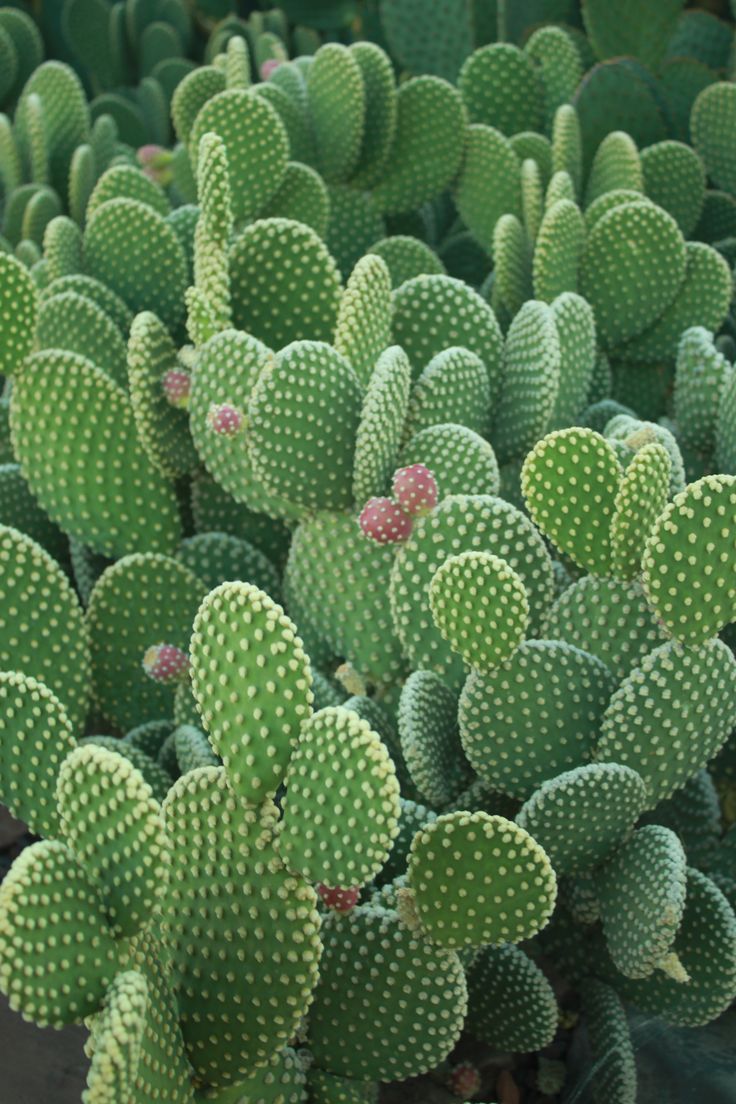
(384, 521)
(165, 663)
(224, 419)
(177, 385)
(415, 489)
(340, 899)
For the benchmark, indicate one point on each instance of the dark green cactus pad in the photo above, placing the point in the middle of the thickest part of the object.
(725, 454)
(530, 383)
(301, 197)
(216, 557)
(282, 1081)
(127, 182)
(711, 120)
(619, 95)
(512, 273)
(163, 430)
(430, 740)
(480, 606)
(575, 324)
(433, 313)
(635, 433)
(583, 815)
(679, 699)
(693, 603)
(256, 142)
(149, 736)
(18, 298)
(231, 927)
(413, 816)
(98, 293)
(559, 63)
(631, 27)
(641, 497)
(479, 879)
(567, 153)
(42, 630)
(570, 481)
(558, 250)
(706, 948)
(279, 302)
(488, 154)
(641, 892)
(618, 197)
(135, 251)
(113, 825)
(460, 459)
(511, 1005)
(694, 815)
(64, 116)
(341, 810)
(336, 104)
(613, 1073)
(502, 88)
(702, 376)
(535, 717)
(379, 86)
(340, 581)
(214, 511)
(407, 257)
(354, 224)
(303, 417)
(244, 640)
(328, 1088)
(454, 387)
(19, 510)
(363, 327)
(629, 285)
(674, 178)
(139, 602)
(117, 1037)
(35, 736)
(57, 953)
(193, 749)
(430, 135)
(190, 97)
(76, 324)
(365, 1021)
(616, 166)
(382, 423)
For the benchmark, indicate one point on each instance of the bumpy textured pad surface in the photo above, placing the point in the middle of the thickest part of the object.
(430, 741)
(381, 427)
(479, 879)
(17, 313)
(242, 640)
(117, 1036)
(511, 1005)
(614, 1067)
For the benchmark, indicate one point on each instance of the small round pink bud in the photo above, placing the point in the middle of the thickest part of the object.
(464, 1080)
(268, 66)
(156, 163)
(165, 663)
(415, 489)
(224, 419)
(339, 898)
(383, 521)
(177, 385)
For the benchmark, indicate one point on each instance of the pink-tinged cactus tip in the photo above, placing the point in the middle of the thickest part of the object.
(415, 489)
(464, 1080)
(340, 899)
(268, 66)
(177, 385)
(165, 663)
(156, 163)
(225, 420)
(383, 521)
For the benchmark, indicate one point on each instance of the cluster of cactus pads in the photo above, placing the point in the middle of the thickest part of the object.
(367, 538)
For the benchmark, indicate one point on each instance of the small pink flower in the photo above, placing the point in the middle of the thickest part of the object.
(268, 66)
(339, 898)
(177, 385)
(224, 419)
(384, 522)
(464, 1080)
(415, 489)
(165, 663)
(156, 163)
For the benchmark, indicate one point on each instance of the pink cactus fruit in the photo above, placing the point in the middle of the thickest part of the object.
(268, 66)
(384, 522)
(415, 489)
(340, 899)
(177, 385)
(464, 1080)
(165, 663)
(156, 163)
(224, 419)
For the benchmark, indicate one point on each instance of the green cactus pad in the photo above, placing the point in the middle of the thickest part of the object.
(488, 154)
(512, 273)
(634, 433)
(694, 604)
(133, 250)
(702, 376)
(190, 97)
(632, 268)
(217, 557)
(694, 815)
(433, 313)
(430, 741)
(340, 581)
(57, 954)
(407, 257)
(641, 891)
(381, 427)
(242, 639)
(558, 61)
(725, 439)
(430, 135)
(379, 86)
(117, 1039)
(713, 114)
(64, 116)
(530, 383)
(153, 774)
(557, 251)
(341, 810)
(354, 224)
(583, 815)
(641, 497)
(461, 523)
(98, 293)
(575, 324)
(454, 387)
(336, 102)
(613, 1073)
(72, 322)
(232, 927)
(459, 459)
(327, 1088)
(301, 197)
(363, 327)
(502, 88)
(18, 297)
(35, 735)
(366, 1021)
(565, 474)
(42, 631)
(303, 417)
(113, 825)
(127, 182)
(679, 699)
(193, 749)
(282, 1081)
(616, 166)
(306, 291)
(511, 1005)
(535, 717)
(480, 606)
(567, 146)
(479, 879)
(256, 143)
(413, 816)
(139, 602)
(19, 510)
(674, 178)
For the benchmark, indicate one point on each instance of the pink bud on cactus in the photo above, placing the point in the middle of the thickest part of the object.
(224, 419)
(384, 521)
(165, 663)
(415, 489)
(156, 163)
(177, 385)
(464, 1080)
(268, 66)
(339, 898)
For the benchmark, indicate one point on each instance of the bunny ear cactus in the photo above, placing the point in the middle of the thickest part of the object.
(511, 1004)
(382, 423)
(430, 741)
(18, 307)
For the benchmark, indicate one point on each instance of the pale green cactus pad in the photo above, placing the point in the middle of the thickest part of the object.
(641, 498)
(117, 1038)
(511, 1004)
(382, 424)
(363, 327)
(453, 388)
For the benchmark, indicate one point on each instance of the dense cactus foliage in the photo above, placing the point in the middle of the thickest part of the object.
(367, 539)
